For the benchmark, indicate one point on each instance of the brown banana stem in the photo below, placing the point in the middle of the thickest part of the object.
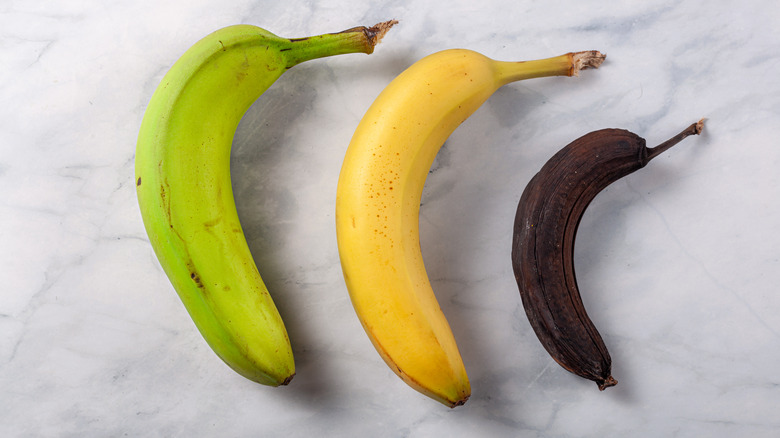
(694, 129)
(373, 34)
(587, 60)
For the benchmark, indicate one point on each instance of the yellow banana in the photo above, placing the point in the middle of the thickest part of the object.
(378, 204)
(182, 176)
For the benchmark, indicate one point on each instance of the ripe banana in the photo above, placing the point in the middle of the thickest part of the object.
(182, 176)
(378, 203)
(545, 227)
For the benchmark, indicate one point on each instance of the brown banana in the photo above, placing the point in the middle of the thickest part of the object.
(545, 228)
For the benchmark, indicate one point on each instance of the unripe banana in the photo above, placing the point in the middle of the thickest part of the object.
(378, 203)
(182, 176)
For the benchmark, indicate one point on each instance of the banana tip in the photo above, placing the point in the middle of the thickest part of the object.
(287, 380)
(609, 381)
(460, 402)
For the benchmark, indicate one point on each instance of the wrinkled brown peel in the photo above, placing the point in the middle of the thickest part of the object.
(545, 228)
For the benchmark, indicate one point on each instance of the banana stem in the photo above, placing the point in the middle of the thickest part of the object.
(359, 39)
(694, 129)
(569, 64)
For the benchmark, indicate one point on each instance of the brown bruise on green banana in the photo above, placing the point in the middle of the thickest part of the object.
(548, 215)
(196, 278)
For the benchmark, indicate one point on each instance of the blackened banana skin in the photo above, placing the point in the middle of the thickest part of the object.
(545, 228)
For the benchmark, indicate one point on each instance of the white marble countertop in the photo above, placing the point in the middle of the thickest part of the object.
(678, 263)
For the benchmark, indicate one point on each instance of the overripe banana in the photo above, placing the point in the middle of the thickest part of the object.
(545, 227)
(182, 177)
(378, 202)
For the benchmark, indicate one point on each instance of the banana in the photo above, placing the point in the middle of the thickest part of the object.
(545, 227)
(378, 203)
(182, 177)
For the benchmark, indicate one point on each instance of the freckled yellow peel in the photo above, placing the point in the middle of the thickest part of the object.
(378, 204)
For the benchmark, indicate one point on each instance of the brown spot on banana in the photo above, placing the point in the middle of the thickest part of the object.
(545, 227)
(196, 278)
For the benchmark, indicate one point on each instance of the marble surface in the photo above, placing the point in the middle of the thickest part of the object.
(678, 264)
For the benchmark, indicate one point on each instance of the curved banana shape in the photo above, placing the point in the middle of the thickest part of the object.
(182, 174)
(545, 228)
(378, 203)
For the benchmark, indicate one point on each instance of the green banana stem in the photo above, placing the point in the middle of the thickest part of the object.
(359, 39)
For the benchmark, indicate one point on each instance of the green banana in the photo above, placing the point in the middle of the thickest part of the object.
(182, 177)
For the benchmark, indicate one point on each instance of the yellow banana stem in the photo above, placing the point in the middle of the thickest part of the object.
(569, 64)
